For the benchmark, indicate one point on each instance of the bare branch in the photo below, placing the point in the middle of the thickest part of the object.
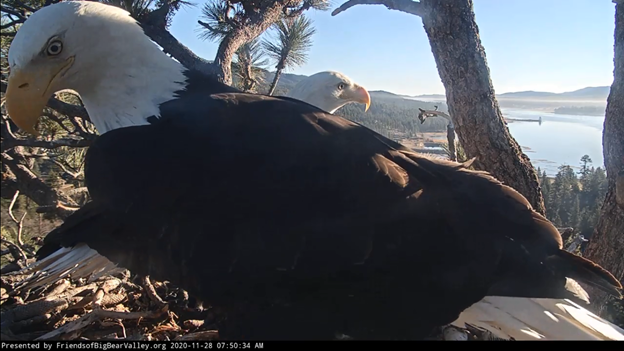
(65, 167)
(11, 24)
(17, 174)
(68, 109)
(176, 49)
(47, 144)
(15, 247)
(58, 121)
(212, 29)
(12, 13)
(24, 6)
(407, 6)
(154, 27)
(19, 224)
(12, 204)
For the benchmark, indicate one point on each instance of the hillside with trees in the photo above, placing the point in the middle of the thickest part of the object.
(574, 200)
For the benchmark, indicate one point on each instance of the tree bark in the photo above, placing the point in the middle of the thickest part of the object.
(278, 73)
(176, 49)
(155, 27)
(606, 246)
(258, 23)
(450, 138)
(460, 58)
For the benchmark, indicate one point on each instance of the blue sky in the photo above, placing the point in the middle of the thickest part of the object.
(545, 45)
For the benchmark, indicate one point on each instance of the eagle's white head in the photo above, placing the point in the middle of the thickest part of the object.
(329, 91)
(97, 50)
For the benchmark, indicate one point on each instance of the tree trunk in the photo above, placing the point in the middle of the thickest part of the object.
(450, 138)
(278, 73)
(460, 57)
(606, 246)
(258, 23)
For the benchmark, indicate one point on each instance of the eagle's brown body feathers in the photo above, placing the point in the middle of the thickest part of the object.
(306, 224)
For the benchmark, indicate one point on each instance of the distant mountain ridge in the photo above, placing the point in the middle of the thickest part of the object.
(288, 81)
(589, 93)
(593, 93)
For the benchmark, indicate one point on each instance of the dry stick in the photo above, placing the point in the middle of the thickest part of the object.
(202, 335)
(32, 310)
(18, 223)
(98, 313)
(193, 323)
(407, 6)
(20, 226)
(151, 292)
(59, 288)
(123, 329)
(16, 247)
(54, 289)
(28, 322)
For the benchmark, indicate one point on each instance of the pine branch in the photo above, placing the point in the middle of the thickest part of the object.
(407, 6)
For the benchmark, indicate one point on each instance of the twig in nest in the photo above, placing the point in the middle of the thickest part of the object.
(32, 321)
(123, 329)
(60, 287)
(193, 323)
(31, 312)
(98, 313)
(202, 335)
(151, 292)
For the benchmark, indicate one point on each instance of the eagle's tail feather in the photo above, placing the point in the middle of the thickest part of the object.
(585, 271)
(77, 262)
(65, 252)
(537, 319)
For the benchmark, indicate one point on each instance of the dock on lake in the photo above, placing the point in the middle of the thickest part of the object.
(538, 120)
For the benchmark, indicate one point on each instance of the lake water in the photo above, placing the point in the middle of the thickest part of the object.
(560, 139)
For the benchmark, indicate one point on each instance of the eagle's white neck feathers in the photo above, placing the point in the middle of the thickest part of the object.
(132, 92)
(120, 74)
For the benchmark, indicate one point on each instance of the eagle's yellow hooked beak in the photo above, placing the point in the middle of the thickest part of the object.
(30, 88)
(357, 94)
(362, 95)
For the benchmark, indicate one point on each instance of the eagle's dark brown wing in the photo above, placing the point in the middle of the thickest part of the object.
(315, 223)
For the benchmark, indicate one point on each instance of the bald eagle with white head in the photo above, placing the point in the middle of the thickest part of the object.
(517, 318)
(329, 91)
(298, 223)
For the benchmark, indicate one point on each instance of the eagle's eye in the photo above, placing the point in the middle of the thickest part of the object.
(341, 86)
(54, 48)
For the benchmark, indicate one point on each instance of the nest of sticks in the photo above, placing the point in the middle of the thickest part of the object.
(112, 307)
(117, 306)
